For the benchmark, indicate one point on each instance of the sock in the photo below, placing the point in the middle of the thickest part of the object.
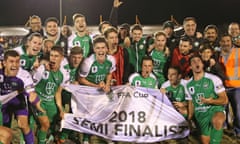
(42, 137)
(216, 136)
(29, 138)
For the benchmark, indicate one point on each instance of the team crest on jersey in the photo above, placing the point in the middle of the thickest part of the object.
(1, 78)
(14, 84)
(22, 62)
(45, 75)
(141, 46)
(94, 69)
(191, 90)
(137, 83)
(205, 85)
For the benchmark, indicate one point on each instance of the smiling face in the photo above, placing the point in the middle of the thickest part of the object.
(52, 28)
(34, 45)
(190, 27)
(100, 50)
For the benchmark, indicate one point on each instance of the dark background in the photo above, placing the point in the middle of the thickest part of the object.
(150, 12)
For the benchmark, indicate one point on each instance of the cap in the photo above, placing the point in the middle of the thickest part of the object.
(168, 24)
(125, 26)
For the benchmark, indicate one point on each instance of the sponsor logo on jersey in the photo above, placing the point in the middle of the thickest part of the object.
(141, 46)
(205, 85)
(14, 84)
(94, 69)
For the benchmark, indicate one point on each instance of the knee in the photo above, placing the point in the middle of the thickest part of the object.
(218, 123)
(45, 125)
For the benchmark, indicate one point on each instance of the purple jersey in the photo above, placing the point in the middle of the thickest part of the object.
(8, 85)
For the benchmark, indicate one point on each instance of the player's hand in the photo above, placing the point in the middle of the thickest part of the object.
(36, 64)
(127, 42)
(107, 89)
(178, 104)
(102, 84)
(117, 3)
(206, 100)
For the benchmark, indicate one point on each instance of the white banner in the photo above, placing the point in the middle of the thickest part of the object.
(126, 114)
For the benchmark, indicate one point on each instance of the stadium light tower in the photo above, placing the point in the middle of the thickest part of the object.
(60, 12)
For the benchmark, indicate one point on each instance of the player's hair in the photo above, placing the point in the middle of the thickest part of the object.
(76, 50)
(51, 19)
(77, 15)
(10, 53)
(99, 39)
(109, 30)
(147, 58)
(35, 34)
(189, 19)
(101, 24)
(57, 48)
(177, 68)
(136, 27)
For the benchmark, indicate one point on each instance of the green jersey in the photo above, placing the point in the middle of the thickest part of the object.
(26, 61)
(47, 83)
(96, 72)
(176, 93)
(136, 53)
(207, 87)
(84, 42)
(159, 61)
(137, 80)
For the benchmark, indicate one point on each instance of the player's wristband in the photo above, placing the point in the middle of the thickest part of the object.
(37, 99)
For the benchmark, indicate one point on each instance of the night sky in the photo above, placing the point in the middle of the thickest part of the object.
(150, 12)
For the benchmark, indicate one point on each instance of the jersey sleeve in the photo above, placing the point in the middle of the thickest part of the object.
(218, 85)
(165, 84)
(26, 77)
(187, 95)
(37, 75)
(131, 78)
(85, 67)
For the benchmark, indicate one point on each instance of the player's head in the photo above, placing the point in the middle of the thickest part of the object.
(147, 66)
(56, 57)
(174, 75)
(100, 48)
(34, 44)
(137, 32)
(11, 62)
(196, 63)
(79, 21)
(76, 56)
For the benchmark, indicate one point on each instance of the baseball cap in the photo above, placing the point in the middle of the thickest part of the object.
(125, 26)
